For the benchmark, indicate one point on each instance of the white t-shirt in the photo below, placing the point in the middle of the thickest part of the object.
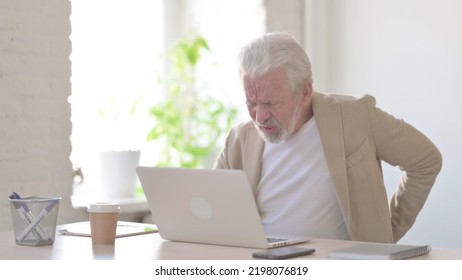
(296, 194)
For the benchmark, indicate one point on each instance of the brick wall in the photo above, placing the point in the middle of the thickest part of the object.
(35, 113)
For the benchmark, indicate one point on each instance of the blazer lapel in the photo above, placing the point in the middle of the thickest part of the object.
(328, 119)
(252, 157)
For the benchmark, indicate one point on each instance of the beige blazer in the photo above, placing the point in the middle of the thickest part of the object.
(356, 137)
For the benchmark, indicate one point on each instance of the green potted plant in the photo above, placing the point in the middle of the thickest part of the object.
(188, 123)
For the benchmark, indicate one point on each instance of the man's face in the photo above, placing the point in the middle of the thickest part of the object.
(276, 111)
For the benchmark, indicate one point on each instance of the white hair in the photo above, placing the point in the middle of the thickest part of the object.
(276, 51)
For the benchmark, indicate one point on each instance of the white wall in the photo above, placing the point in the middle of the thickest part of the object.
(408, 54)
(286, 16)
(34, 111)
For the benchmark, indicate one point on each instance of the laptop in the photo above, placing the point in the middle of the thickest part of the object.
(207, 206)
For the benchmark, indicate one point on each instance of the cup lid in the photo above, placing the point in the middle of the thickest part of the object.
(103, 207)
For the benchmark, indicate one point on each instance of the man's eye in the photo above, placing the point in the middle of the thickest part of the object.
(271, 104)
(251, 104)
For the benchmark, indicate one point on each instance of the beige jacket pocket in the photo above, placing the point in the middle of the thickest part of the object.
(359, 154)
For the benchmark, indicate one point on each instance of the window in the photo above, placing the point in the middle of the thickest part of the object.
(116, 49)
(115, 60)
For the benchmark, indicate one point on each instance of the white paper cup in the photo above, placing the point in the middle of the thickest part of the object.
(103, 222)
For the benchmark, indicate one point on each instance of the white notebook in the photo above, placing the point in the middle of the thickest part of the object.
(368, 251)
(124, 229)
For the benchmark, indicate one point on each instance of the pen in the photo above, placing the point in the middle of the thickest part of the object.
(26, 214)
(22, 213)
(37, 220)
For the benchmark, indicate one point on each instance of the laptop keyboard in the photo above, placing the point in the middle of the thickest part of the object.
(273, 239)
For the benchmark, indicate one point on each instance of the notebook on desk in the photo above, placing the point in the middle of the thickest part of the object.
(380, 251)
(207, 206)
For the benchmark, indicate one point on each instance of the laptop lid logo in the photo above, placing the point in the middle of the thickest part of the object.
(201, 208)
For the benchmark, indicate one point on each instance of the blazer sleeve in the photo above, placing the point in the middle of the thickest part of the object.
(400, 144)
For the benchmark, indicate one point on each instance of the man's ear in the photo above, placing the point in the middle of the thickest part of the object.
(307, 90)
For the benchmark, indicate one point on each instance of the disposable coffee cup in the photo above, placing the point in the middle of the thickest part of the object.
(103, 222)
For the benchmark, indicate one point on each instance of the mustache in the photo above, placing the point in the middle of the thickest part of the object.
(268, 122)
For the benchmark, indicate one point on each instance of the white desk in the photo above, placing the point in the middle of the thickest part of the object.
(152, 246)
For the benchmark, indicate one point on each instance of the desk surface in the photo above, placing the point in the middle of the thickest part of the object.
(152, 246)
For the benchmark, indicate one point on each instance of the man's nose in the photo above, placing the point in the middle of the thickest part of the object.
(261, 114)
